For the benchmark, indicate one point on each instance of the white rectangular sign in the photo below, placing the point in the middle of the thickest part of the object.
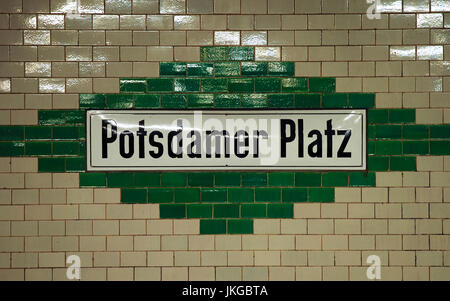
(226, 140)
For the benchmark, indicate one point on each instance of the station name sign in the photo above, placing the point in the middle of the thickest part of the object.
(226, 140)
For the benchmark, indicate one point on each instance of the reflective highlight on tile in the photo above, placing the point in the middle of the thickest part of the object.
(38, 69)
(267, 53)
(227, 37)
(51, 21)
(186, 22)
(416, 5)
(36, 37)
(389, 6)
(430, 20)
(254, 38)
(440, 5)
(403, 52)
(5, 85)
(172, 6)
(52, 85)
(430, 52)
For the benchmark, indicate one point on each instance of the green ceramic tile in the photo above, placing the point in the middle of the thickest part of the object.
(172, 69)
(147, 179)
(82, 132)
(361, 100)
(226, 211)
(120, 179)
(227, 69)
(416, 147)
(268, 195)
(213, 226)
(402, 163)
(322, 84)
(227, 179)
(212, 54)
(174, 179)
(378, 163)
(281, 68)
(264, 85)
(52, 117)
(201, 100)
(97, 179)
(187, 195)
(92, 101)
(323, 195)
(199, 211)
(133, 85)
(388, 147)
(173, 101)
(371, 131)
(38, 133)
(213, 195)
(384, 131)
(415, 131)
(214, 85)
(38, 148)
(333, 179)
(280, 210)
(298, 84)
(8, 149)
(160, 195)
(281, 179)
(200, 69)
(308, 179)
(82, 146)
(51, 165)
(187, 85)
(147, 101)
(441, 131)
(204, 179)
(241, 54)
(254, 68)
(335, 100)
(240, 226)
(241, 85)
(227, 101)
(254, 179)
(75, 117)
(438, 148)
(280, 100)
(307, 100)
(371, 147)
(294, 195)
(254, 210)
(75, 164)
(402, 115)
(65, 133)
(254, 100)
(175, 211)
(160, 85)
(66, 148)
(134, 196)
(358, 179)
(241, 195)
(378, 116)
(12, 133)
(120, 101)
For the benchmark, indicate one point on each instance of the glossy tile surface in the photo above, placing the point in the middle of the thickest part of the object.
(226, 38)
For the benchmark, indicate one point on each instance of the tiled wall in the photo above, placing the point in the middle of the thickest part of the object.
(58, 59)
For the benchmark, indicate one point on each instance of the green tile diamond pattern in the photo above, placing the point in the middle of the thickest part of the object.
(226, 202)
